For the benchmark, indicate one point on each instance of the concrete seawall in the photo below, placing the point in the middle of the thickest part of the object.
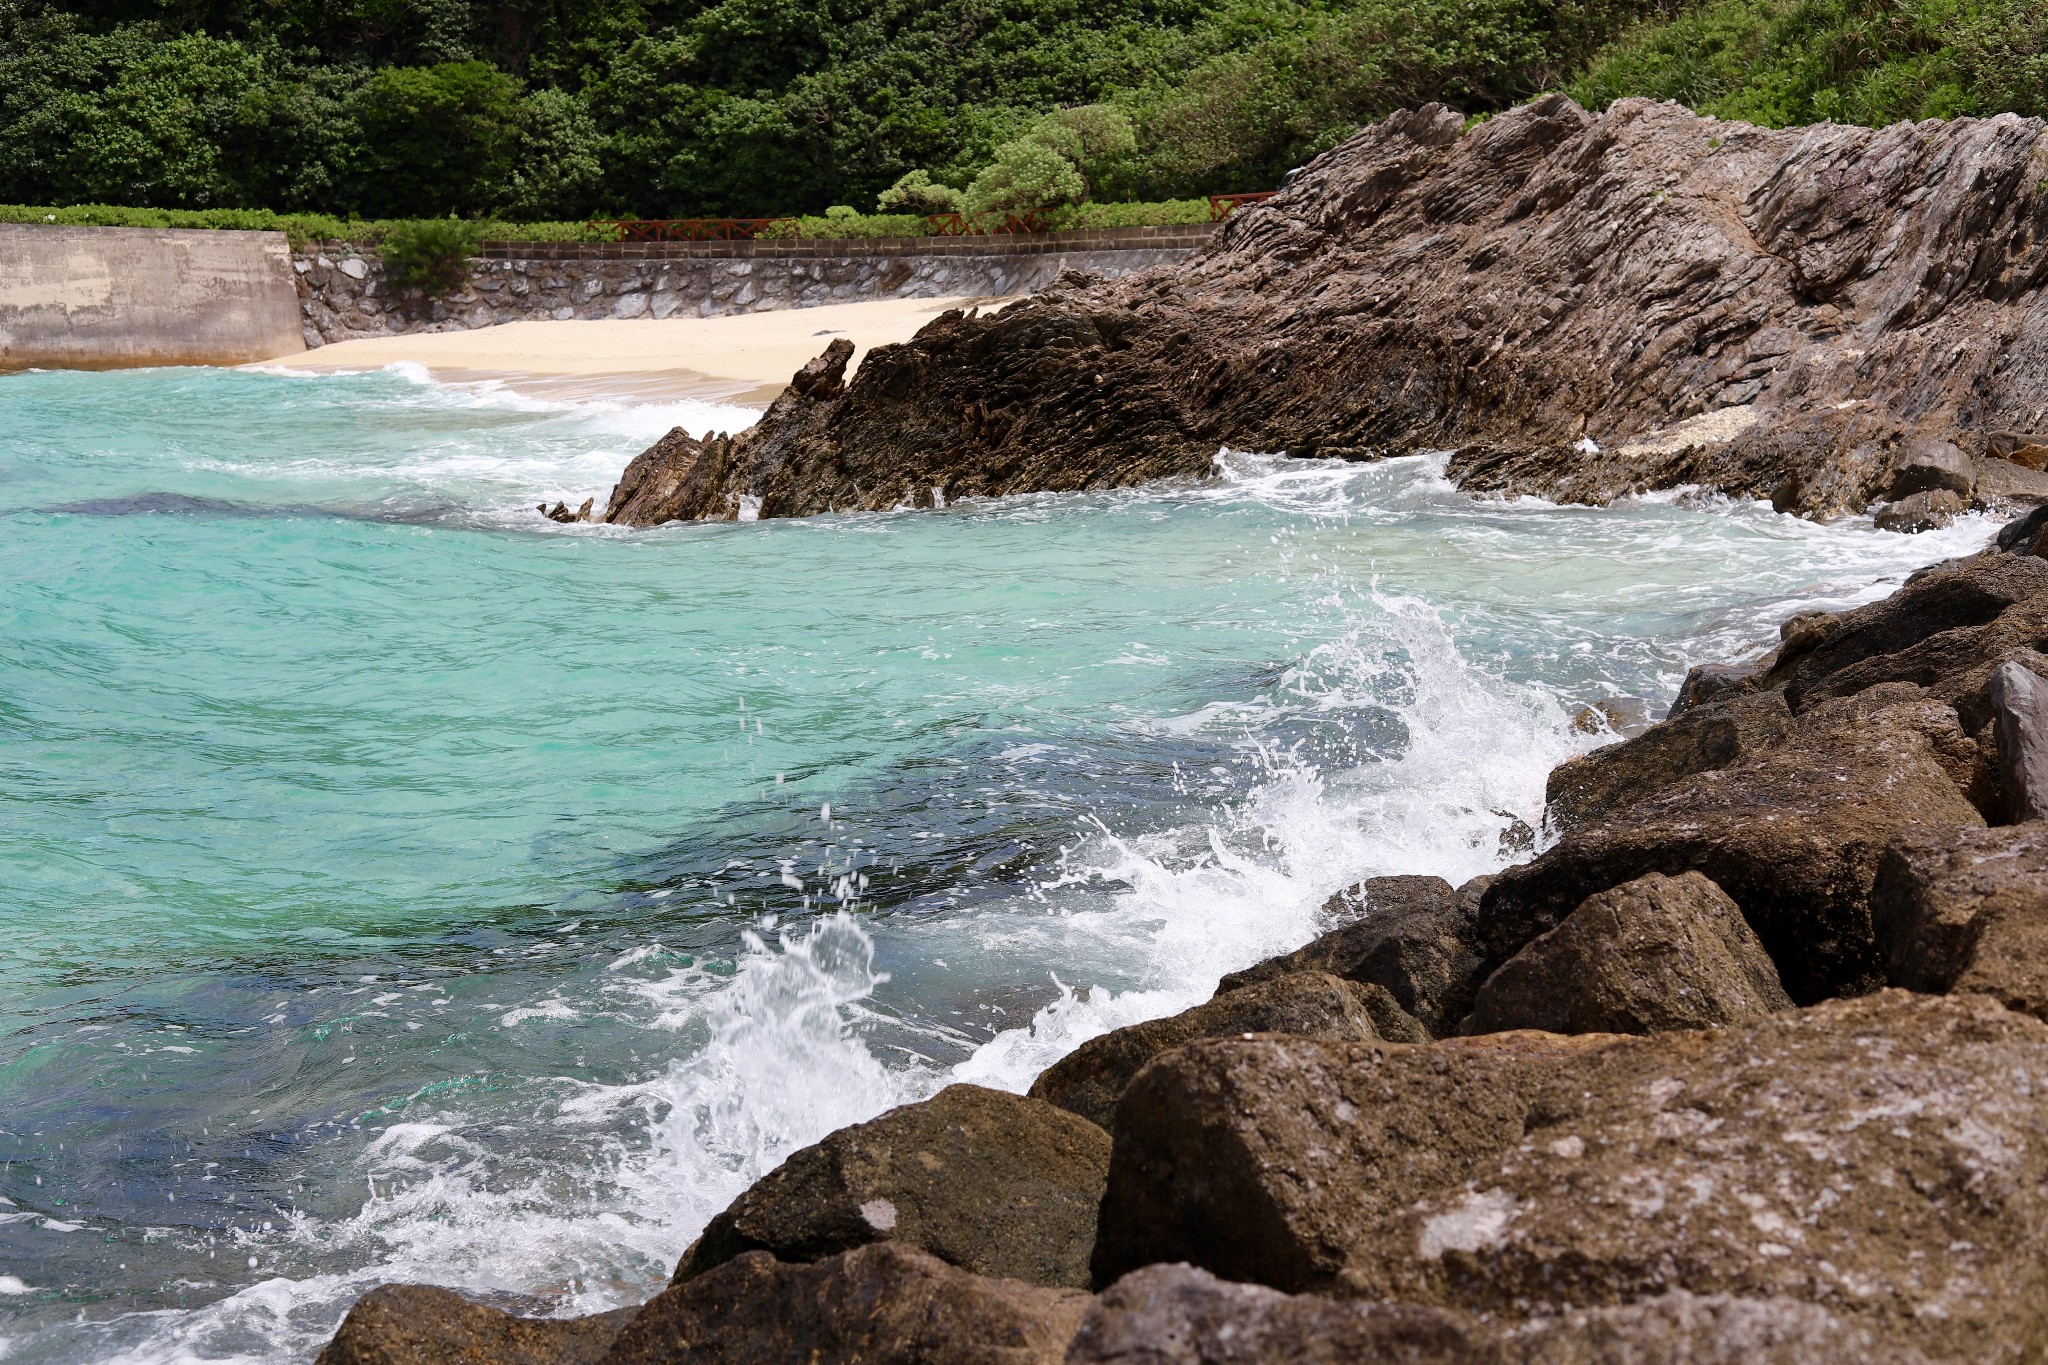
(77, 297)
(345, 296)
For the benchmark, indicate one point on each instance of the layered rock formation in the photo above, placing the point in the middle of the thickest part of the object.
(1578, 306)
(1567, 1114)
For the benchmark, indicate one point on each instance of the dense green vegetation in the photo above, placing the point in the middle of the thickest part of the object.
(558, 109)
(1853, 61)
(547, 109)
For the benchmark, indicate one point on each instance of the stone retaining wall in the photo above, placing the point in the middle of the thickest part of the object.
(343, 293)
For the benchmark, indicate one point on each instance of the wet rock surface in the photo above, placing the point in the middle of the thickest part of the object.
(1652, 955)
(1089, 1080)
(993, 1182)
(1793, 835)
(882, 1303)
(416, 1324)
(1411, 936)
(1580, 306)
(1707, 735)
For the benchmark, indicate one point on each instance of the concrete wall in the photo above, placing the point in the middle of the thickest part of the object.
(80, 297)
(344, 293)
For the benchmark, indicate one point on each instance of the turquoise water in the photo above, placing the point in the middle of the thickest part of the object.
(399, 886)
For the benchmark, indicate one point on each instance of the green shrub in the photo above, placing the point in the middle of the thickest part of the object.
(1168, 213)
(431, 256)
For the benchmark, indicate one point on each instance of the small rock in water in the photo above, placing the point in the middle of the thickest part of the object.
(1928, 511)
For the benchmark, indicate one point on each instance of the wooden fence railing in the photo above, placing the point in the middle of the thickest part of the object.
(942, 224)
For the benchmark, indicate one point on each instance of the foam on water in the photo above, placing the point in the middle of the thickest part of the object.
(1324, 672)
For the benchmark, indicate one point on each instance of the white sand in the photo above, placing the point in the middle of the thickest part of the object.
(743, 358)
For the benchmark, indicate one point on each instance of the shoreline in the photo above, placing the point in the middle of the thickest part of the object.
(745, 359)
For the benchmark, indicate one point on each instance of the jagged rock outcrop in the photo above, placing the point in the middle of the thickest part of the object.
(1652, 955)
(1578, 305)
(996, 1183)
(1088, 1080)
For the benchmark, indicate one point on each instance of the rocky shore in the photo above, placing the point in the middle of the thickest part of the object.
(1578, 306)
(1750, 1064)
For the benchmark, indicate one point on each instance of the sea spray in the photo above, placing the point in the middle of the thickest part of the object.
(392, 894)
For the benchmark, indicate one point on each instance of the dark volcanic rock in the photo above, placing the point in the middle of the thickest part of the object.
(1651, 955)
(885, 1304)
(992, 1182)
(1579, 305)
(1311, 1004)
(1704, 736)
(1881, 1158)
(1792, 834)
(414, 1324)
(1411, 935)
(1969, 913)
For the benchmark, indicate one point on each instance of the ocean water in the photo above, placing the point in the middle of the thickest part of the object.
(398, 886)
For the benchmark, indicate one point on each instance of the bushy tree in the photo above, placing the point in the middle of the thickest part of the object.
(917, 192)
(557, 159)
(1026, 177)
(435, 139)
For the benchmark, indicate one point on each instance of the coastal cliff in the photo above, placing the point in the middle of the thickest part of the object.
(1746, 1066)
(1578, 306)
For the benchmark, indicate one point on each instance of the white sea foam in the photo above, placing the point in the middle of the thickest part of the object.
(772, 1051)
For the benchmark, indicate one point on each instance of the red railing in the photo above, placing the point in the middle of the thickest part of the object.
(942, 224)
(1222, 205)
(687, 229)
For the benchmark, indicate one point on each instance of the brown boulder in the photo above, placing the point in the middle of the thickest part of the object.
(995, 1183)
(1881, 1158)
(1411, 935)
(1651, 955)
(1792, 834)
(1926, 465)
(1946, 597)
(1310, 1004)
(1969, 913)
(2019, 715)
(1700, 738)
(886, 1304)
(417, 1324)
(1265, 1160)
(1180, 1315)
(1929, 511)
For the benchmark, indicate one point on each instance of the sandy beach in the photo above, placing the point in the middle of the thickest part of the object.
(745, 358)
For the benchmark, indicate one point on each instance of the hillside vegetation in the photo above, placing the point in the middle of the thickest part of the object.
(561, 109)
